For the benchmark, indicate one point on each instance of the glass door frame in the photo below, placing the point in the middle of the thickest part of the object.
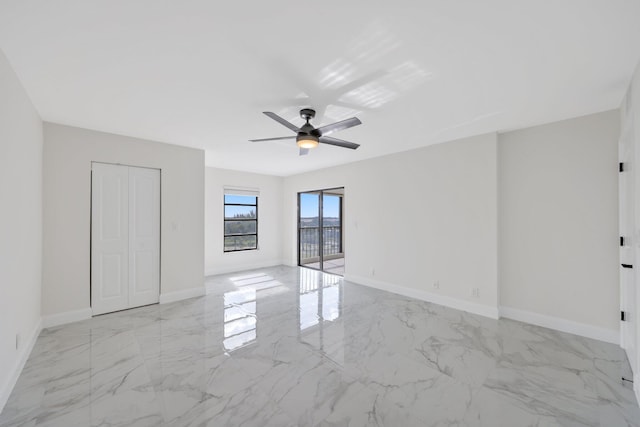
(321, 247)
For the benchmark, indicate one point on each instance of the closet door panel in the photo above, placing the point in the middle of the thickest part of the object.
(144, 236)
(109, 238)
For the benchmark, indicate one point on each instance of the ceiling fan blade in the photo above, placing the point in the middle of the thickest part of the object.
(282, 121)
(344, 124)
(304, 151)
(338, 142)
(272, 139)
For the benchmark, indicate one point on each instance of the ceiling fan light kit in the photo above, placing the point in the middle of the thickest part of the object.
(308, 136)
(306, 141)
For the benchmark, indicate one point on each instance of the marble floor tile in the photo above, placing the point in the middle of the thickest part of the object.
(285, 346)
(561, 393)
(309, 389)
(369, 408)
(618, 414)
(492, 409)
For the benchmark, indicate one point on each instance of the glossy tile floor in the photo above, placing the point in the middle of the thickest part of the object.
(295, 347)
(333, 266)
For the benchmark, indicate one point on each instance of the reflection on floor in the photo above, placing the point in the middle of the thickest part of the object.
(333, 266)
(295, 347)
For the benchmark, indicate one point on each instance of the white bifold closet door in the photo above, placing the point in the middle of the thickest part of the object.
(125, 237)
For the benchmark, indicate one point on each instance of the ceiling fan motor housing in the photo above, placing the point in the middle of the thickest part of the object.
(307, 128)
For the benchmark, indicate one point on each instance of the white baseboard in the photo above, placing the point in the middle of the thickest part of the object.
(66, 317)
(458, 304)
(563, 325)
(174, 296)
(7, 388)
(242, 267)
(86, 313)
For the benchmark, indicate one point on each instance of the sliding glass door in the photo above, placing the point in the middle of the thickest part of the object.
(309, 230)
(320, 237)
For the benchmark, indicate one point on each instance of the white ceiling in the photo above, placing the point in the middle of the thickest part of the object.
(199, 72)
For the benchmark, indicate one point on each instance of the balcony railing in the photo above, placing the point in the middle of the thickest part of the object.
(310, 241)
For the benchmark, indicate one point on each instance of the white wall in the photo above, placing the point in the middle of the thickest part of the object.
(20, 226)
(414, 218)
(558, 193)
(269, 221)
(68, 153)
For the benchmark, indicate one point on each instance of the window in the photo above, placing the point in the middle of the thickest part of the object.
(240, 222)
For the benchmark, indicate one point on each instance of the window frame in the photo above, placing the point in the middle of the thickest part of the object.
(225, 220)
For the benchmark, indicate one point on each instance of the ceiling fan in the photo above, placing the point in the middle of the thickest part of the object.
(308, 136)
